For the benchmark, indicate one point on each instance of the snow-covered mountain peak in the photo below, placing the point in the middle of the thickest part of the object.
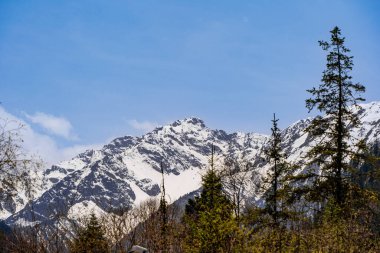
(127, 170)
(369, 117)
(369, 112)
(192, 121)
(373, 106)
(120, 143)
(188, 124)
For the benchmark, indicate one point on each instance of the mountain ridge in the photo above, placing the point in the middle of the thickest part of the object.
(126, 171)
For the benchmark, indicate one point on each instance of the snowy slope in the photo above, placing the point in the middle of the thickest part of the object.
(127, 170)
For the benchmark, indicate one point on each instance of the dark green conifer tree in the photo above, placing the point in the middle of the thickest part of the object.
(209, 218)
(274, 181)
(163, 211)
(90, 239)
(337, 97)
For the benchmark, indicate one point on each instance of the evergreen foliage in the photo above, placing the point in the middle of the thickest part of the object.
(336, 97)
(275, 181)
(208, 219)
(90, 239)
(163, 211)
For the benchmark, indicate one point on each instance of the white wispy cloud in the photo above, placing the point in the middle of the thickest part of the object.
(41, 145)
(144, 126)
(59, 126)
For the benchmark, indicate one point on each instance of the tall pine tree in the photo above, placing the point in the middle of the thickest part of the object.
(337, 97)
(163, 211)
(274, 180)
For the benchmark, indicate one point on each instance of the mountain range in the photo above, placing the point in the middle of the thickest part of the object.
(126, 171)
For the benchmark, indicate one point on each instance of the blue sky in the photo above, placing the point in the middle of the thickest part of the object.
(82, 72)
